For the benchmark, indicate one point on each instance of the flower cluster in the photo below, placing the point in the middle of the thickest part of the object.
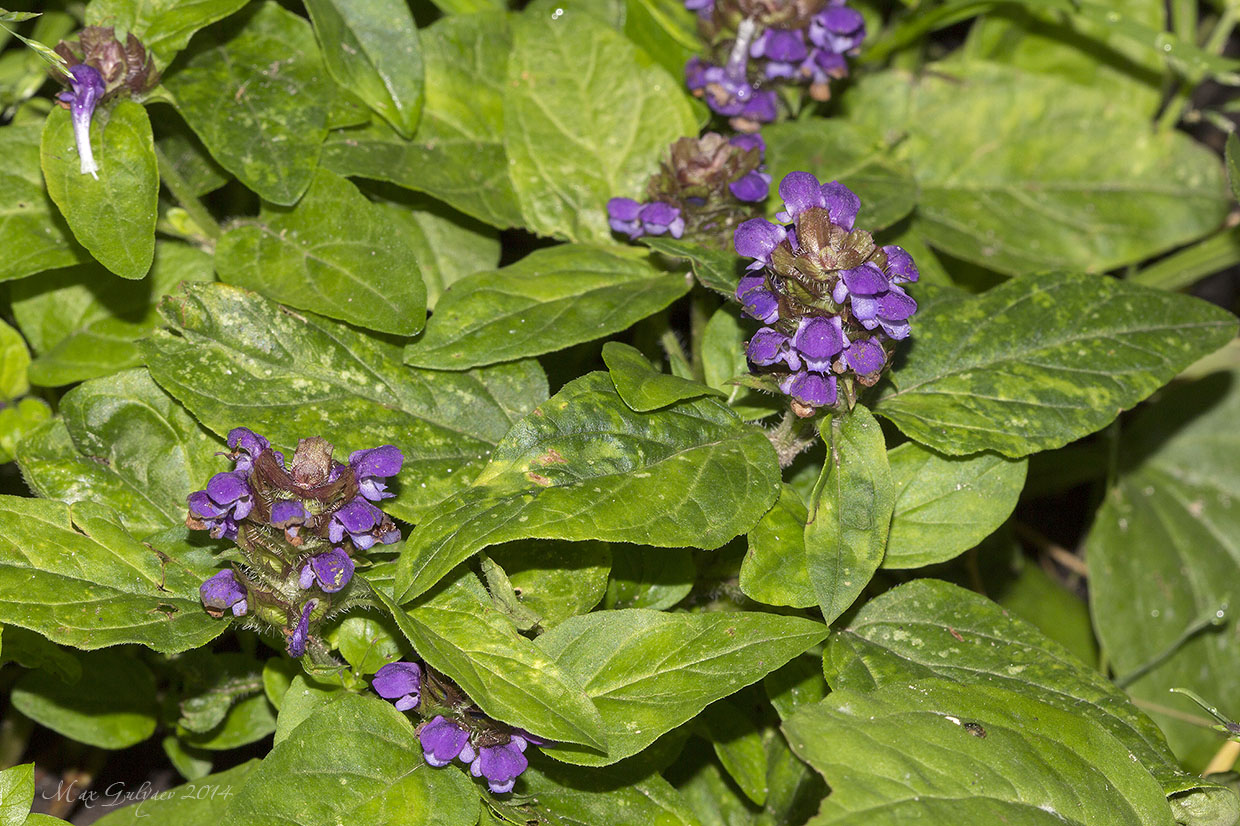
(100, 68)
(831, 299)
(294, 524)
(703, 189)
(758, 45)
(456, 729)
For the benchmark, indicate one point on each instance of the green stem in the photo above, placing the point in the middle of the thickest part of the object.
(180, 189)
(1214, 45)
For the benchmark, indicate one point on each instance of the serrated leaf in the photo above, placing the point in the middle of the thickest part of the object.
(34, 235)
(124, 443)
(112, 707)
(75, 576)
(648, 671)
(585, 466)
(719, 270)
(849, 512)
(335, 253)
(570, 146)
(942, 752)
(1163, 554)
(371, 48)
(371, 745)
(946, 505)
(16, 794)
(457, 631)
(837, 150)
(928, 628)
(236, 359)
(773, 570)
(1039, 186)
(1038, 362)
(549, 300)
(84, 324)
(457, 154)
(113, 216)
(265, 125)
(641, 386)
(185, 805)
(164, 26)
(14, 361)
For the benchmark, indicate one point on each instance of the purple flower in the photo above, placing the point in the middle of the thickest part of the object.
(288, 512)
(752, 186)
(751, 141)
(223, 592)
(622, 216)
(823, 65)
(786, 46)
(370, 466)
(500, 765)
(226, 501)
(837, 28)
(333, 569)
(363, 522)
(400, 682)
(246, 445)
(811, 388)
(762, 106)
(702, 7)
(864, 281)
(865, 356)
(297, 639)
(769, 346)
(800, 191)
(658, 218)
(86, 87)
(757, 238)
(757, 301)
(842, 204)
(443, 740)
(891, 310)
(900, 266)
(819, 340)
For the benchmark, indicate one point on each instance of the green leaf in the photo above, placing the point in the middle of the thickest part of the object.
(1039, 362)
(457, 154)
(1232, 154)
(1163, 554)
(16, 794)
(17, 421)
(556, 580)
(112, 706)
(34, 236)
(457, 630)
(85, 324)
(30, 650)
(189, 762)
(114, 215)
(239, 360)
(774, 569)
(837, 150)
(550, 299)
(14, 361)
(665, 30)
(264, 125)
(334, 253)
(1040, 186)
(446, 244)
(929, 628)
(124, 443)
(736, 734)
(574, 796)
(371, 746)
(946, 505)
(246, 722)
(849, 513)
(718, 270)
(585, 466)
(164, 26)
(586, 117)
(303, 698)
(200, 803)
(371, 48)
(367, 642)
(941, 752)
(645, 577)
(72, 574)
(648, 671)
(641, 386)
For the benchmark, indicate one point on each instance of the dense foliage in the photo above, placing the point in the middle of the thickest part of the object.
(619, 412)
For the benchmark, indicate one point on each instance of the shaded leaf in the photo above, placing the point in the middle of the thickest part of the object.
(718, 270)
(645, 577)
(17, 421)
(572, 796)
(556, 580)
(14, 361)
(774, 569)
(164, 26)
(641, 386)
(182, 804)
(34, 236)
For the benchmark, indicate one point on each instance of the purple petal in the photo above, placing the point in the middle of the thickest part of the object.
(358, 515)
(752, 186)
(201, 506)
(748, 283)
(288, 512)
(333, 569)
(842, 20)
(306, 578)
(865, 356)
(619, 209)
(762, 305)
(800, 191)
(247, 440)
(442, 740)
(399, 681)
(500, 765)
(895, 305)
(865, 309)
(297, 640)
(757, 238)
(658, 218)
(842, 204)
(761, 107)
(819, 340)
(767, 346)
(225, 488)
(867, 279)
(222, 591)
(752, 141)
(810, 388)
(780, 45)
(385, 460)
(900, 265)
